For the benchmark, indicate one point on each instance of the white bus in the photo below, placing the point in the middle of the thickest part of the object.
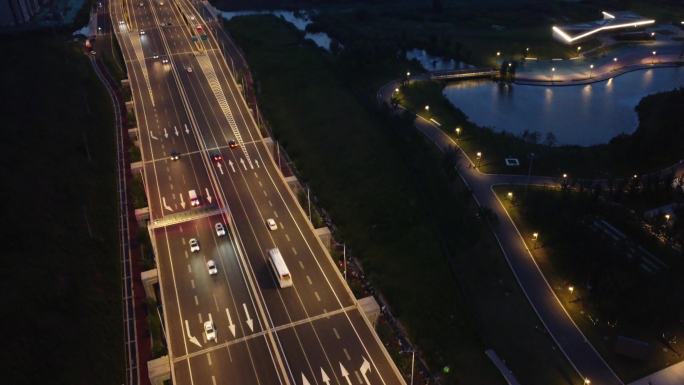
(279, 268)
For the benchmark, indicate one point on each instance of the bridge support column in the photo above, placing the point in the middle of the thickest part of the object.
(323, 233)
(159, 370)
(142, 215)
(150, 278)
(370, 309)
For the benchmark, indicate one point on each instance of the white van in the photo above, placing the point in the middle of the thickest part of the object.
(194, 199)
(279, 268)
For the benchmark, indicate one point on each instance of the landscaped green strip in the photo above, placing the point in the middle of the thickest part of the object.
(61, 274)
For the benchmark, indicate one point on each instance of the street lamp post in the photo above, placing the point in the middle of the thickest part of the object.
(615, 63)
(653, 57)
(591, 69)
(579, 48)
(587, 381)
(553, 70)
(535, 238)
(427, 108)
(479, 159)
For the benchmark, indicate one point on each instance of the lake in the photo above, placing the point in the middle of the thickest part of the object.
(582, 114)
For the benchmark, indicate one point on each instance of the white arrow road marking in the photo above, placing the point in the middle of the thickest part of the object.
(166, 133)
(165, 205)
(326, 379)
(175, 129)
(365, 368)
(187, 131)
(182, 201)
(250, 322)
(243, 164)
(191, 338)
(251, 166)
(208, 196)
(231, 325)
(256, 162)
(230, 163)
(220, 167)
(305, 381)
(153, 137)
(345, 374)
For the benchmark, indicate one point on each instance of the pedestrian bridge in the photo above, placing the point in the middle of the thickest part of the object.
(469, 73)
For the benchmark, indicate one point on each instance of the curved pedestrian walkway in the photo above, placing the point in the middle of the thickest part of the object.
(582, 356)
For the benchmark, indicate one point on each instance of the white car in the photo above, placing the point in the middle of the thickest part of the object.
(220, 230)
(142, 33)
(271, 224)
(165, 61)
(189, 69)
(155, 56)
(211, 266)
(209, 330)
(194, 245)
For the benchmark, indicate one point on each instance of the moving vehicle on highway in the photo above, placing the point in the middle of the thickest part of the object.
(271, 223)
(142, 32)
(200, 30)
(194, 199)
(209, 330)
(211, 266)
(174, 155)
(232, 144)
(189, 69)
(216, 157)
(220, 230)
(277, 263)
(194, 245)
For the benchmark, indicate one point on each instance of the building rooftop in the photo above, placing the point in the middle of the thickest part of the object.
(611, 20)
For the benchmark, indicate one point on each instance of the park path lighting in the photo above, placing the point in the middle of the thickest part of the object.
(579, 48)
(509, 195)
(458, 131)
(408, 74)
(615, 63)
(667, 217)
(553, 71)
(635, 176)
(498, 53)
(653, 57)
(535, 239)
(591, 70)
(396, 90)
(652, 34)
(427, 108)
(587, 381)
(479, 159)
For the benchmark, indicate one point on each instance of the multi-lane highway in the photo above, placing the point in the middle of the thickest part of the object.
(187, 103)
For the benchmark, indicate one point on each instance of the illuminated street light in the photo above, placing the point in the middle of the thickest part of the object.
(510, 64)
(553, 70)
(634, 176)
(591, 70)
(498, 53)
(587, 381)
(653, 57)
(667, 217)
(396, 90)
(479, 159)
(408, 73)
(615, 63)
(458, 131)
(652, 34)
(427, 108)
(510, 195)
(571, 289)
(535, 238)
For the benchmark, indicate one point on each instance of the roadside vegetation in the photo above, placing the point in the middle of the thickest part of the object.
(658, 141)
(61, 269)
(398, 207)
(612, 271)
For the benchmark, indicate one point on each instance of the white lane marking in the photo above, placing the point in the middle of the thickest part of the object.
(249, 320)
(209, 358)
(196, 301)
(270, 203)
(187, 131)
(345, 374)
(213, 380)
(206, 190)
(166, 206)
(215, 301)
(220, 167)
(192, 283)
(152, 136)
(251, 166)
(275, 213)
(346, 354)
(231, 325)
(301, 265)
(187, 255)
(256, 162)
(166, 133)
(190, 337)
(282, 226)
(265, 193)
(337, 335)
(365, 367)
(182, 201)
(308, 279)
(199, 317)
(260, 184)
(243, 164)
(294, 251)
(232, 167)
(189, 268)
(287, 237)
(305, 381)
(318, 297)
(325, 377)
(358, 377)
(175, 129)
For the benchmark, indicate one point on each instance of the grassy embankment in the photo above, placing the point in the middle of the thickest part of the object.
(61, 273)
(402, 213)
(612, 294)
(657, 142)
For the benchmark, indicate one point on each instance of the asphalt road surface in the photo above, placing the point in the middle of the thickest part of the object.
(311, 333)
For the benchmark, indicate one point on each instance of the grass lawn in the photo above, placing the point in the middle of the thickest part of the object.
(612, 295)
(658, 141)
(61, 269)
(400, 211)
